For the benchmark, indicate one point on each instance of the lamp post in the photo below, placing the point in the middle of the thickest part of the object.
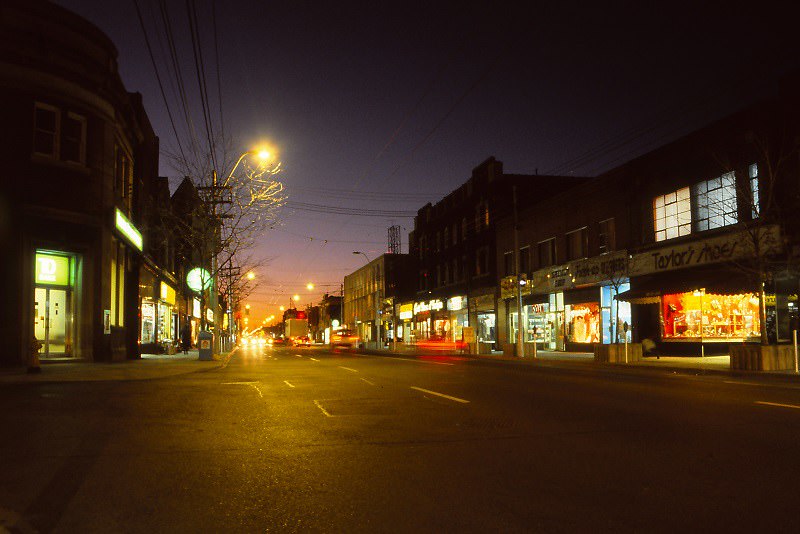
(213, 292)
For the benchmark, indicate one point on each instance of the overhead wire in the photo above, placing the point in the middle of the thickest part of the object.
(197, 53)
(158, 77)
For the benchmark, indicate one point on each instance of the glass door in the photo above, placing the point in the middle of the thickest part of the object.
(51, 320)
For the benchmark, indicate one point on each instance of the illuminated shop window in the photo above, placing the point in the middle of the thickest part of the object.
(672, 214)
(698, 315)
(583, 322)
(715, 202)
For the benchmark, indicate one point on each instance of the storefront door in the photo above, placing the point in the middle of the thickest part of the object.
(51, 318)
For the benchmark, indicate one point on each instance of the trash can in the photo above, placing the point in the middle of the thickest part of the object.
(206, 345)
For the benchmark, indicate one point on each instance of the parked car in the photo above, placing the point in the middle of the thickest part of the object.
(344, 338)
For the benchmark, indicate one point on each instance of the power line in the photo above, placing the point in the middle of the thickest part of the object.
(197, 53)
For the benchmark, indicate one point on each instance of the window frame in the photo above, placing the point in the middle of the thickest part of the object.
(55, 133)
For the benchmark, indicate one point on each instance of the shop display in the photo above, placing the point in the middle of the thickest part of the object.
(583, 322)
(697, 315)
(148, 321)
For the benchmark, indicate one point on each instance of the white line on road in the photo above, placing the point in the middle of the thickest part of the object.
(367, 381)
(779, 404)
(421, 361)
(299, 355)
(353, 370)
(314, 359)
(322, 409)
(440, 395)
(253, 385)
(288, 383)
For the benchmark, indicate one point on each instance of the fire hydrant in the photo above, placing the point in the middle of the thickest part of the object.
(33, 357)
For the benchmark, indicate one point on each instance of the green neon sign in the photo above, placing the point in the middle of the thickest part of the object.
(127, 229)
(198, 279)
(52, 269)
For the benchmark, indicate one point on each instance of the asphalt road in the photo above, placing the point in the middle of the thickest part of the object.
(298, 440)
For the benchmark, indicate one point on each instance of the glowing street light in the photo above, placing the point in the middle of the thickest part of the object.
(296, 298)
(309, 286)
(251, 275)
(281, 308)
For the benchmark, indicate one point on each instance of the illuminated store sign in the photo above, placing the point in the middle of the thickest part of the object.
(456, 303)
(210, 315)
(51, 269)
(127, 229)
(196, 308)
(198, 279)
(432, 305)
(167, 294)
(406, 311)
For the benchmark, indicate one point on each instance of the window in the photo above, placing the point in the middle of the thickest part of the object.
(672, 215)
(438, 241)
(447, 237)
(508, 263)
(482, 262)
(447, 274)
(73, 139)
(547, 252)
(464, 228)
(123, 176)
(45, 130)
(714, 202)
(755, 207)
(577, 243)
(456, 274)
(525, 259)
(481, 215)
(455, 233)
(423, 243)
(606, 237)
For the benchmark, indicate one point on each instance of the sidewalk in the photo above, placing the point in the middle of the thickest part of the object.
(150, 367)
(707, 364)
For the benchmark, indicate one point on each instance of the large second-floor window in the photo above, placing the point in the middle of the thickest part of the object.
(508, 263)
(606, 236)
(525, 259)
(715, 202)
(577, 243)
(73, 139)
(672, 214)
(45, 129)
(547, 252)
(482, 261)
(59, 135)
(755, 207)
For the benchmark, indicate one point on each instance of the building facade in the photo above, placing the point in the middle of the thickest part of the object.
(455, 244)
(75, 145)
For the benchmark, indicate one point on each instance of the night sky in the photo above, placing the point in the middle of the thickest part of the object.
(388, 106)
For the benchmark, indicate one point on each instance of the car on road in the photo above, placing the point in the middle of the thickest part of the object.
(276, 341)
(301, 341)
(344, 338)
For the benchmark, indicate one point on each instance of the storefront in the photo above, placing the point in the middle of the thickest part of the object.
(701, 292)
(54, 302)
(458, 317)
(405, 314)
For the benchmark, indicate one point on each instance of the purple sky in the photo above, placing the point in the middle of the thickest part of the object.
(387, 106)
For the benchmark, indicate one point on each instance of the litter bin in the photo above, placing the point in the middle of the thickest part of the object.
(206, 345)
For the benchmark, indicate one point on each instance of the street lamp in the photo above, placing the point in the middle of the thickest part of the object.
(251, 275)
(359, 252)
(309, 286)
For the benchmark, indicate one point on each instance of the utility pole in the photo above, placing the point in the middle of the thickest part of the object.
(520, 345)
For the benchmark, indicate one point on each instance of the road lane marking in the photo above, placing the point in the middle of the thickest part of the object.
(322, 409)
(253, 385)
(421, 361)
(314, 359)
(353, 370)
(288, 383)
(441, 395)
(299, 355)
(778, 404)
(367, 381)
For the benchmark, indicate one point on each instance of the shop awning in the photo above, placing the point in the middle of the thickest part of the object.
(648, 290)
